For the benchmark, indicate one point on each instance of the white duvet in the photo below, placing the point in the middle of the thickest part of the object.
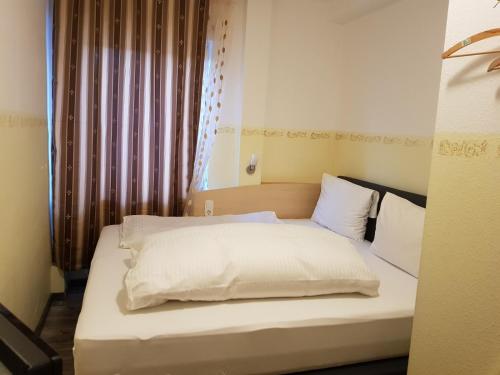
(136, 228)
(245, 260)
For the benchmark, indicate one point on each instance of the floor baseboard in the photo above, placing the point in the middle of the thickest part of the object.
(43, 317)
(46, 309)
(76, 282)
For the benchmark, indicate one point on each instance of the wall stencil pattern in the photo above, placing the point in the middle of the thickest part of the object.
(468, 146)
(299, 134)
(340, 136)
(17, 120)
(465, 148)
(273, 133)
(384, 139)
(225, 130)
(320, 135)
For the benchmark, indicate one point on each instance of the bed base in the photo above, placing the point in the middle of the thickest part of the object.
(390, 366)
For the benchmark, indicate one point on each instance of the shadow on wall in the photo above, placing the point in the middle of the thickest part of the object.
(472, 72)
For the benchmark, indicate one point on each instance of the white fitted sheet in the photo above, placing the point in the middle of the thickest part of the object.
(240, 336)
(305, 222)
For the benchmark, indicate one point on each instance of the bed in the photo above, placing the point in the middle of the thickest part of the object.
(279, 335)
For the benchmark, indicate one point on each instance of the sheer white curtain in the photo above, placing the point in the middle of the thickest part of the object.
(216, 56)
(223, 50)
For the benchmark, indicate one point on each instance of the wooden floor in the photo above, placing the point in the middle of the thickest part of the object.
(59, 328)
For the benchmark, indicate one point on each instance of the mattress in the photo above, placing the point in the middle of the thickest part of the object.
(258, 336)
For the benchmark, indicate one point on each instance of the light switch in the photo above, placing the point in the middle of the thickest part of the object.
(209, 208)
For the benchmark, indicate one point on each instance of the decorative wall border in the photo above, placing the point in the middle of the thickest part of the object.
(406, 141)
(226, 130)
(15, 120)
(250, 132)
(384, 139)
(292, 134)
(468, 146)
(465, 148)
(296, 134)
(275, 133)
(321, 135)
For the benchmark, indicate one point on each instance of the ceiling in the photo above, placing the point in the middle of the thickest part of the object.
(345, 11)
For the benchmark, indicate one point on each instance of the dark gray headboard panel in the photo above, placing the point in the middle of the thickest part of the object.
(419, 200)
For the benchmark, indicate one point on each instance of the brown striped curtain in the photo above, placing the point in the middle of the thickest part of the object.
(128, 77)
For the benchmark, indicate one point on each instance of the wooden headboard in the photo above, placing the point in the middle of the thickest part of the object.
(289, 201)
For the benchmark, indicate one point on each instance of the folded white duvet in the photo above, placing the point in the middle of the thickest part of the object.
(136, 228)
(245, 260)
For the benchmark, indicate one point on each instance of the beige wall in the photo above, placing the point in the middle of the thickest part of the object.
(457, 325)
(24, 240)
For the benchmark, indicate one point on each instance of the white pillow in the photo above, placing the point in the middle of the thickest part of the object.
(398, 236)
(344, 207)
(135, 228)
(245, 260)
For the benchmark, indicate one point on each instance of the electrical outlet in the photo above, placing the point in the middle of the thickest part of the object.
(209, 208)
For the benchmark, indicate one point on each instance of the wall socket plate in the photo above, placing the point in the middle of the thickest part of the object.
(209, 208)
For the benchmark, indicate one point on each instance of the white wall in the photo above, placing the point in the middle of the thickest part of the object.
(304, 86)
(391, 69)
(257, 50)
(377, 73)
